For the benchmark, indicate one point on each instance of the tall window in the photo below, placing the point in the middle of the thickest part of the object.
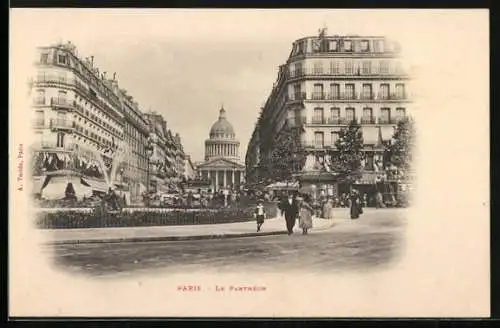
(400, 113)
(61, 96)
(298, 69)
(318, 91)
(367, 91)
(62, 59)
(349, 91)
(349, 67)
(350, 114)
(384, 91)
(39, 118)
(318, 67)
(334, 91)
(334, 112)
(385, 115)
(400, 90)
(334, 136)
(348, 45)
(318, 115)
(40, 97)
(367, 113)
(333, 45)
(319, 139)
(335, 67)
(60, 140)
(297, 91)
(367, 67)
(44, 58)
(384, 67)
(365, 45)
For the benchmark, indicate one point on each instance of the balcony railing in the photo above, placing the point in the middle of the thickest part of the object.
(61, 102)
(313, 144)
(318, 96)
(44, 145)
(61, 124)
(368, 120)
(39, 101)
(39, 124)
(319, 120)
(332, 71)
(299, 96)
(337, 120)
(297, 121)
(367, 96)
(392, 96)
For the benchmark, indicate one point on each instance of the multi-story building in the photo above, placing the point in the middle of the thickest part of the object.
(327, 82)
(189, 169)
(78, 123)
(136, 133)
(92, 134)
(167, 161)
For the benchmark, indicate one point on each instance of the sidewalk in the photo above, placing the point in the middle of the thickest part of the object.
(275, 226)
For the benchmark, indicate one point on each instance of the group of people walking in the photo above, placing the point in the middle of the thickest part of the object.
(295, 207)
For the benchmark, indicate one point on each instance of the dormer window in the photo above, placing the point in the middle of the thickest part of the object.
(44, 58)
(62, 59)
(333, 45)
(348, 45)
(365, 46)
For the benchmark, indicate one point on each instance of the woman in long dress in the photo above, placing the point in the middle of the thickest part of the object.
(356, 207)
(305, 215)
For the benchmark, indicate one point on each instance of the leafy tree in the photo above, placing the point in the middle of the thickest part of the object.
(288, 155)
(401, 149)
(349, 154)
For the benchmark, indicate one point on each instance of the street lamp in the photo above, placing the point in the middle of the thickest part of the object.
(149, 152)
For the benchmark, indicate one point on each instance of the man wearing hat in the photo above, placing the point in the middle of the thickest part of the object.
(291, 210)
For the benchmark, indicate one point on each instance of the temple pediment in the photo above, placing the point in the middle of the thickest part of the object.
(221, 163)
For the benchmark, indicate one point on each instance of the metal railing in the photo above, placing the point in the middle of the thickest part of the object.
(61, 124)
(368, 120)
(332, 71)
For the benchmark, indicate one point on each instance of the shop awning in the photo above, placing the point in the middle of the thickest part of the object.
(369, 178)
(370, 135)
(95, 184)
(386, 132)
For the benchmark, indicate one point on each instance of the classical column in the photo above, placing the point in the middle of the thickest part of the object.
(216, 180)
(233, 173)
(225, 178)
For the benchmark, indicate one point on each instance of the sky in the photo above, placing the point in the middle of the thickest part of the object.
(185, 63)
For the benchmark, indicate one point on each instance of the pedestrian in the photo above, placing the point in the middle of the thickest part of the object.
(305, 215)
(356, 206)
(328, 209)
(291, 210)
(260, 215)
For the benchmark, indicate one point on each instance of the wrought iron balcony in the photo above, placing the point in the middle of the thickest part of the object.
(319, 96)
(367, 96)
(61, 124)
(368, 120)
(392, 96)
(62, 102)
(319, 120)
(39, 101)
(299, 96)
(44, 145)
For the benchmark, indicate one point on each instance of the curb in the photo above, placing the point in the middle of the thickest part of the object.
(165, 238)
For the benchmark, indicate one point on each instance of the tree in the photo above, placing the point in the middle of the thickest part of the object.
(349, 154)
(288, 154)
(401, 149)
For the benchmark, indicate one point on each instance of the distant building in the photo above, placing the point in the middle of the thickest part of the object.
(222, 161)
(189, 169)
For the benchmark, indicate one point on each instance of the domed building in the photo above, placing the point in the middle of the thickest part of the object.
(222, 160)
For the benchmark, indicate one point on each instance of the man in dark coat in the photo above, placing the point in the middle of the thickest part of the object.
(291, 210)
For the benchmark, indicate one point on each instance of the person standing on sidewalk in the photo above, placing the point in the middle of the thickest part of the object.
(291, 210)
(356, 205)
(260, 215)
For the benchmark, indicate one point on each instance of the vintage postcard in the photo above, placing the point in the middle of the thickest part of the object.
(251, 163)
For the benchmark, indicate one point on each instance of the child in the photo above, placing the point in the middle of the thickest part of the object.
(259, 214)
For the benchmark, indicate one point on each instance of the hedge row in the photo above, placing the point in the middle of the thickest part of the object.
(77, 220)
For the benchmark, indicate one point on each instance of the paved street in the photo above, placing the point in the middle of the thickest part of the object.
(373, 241)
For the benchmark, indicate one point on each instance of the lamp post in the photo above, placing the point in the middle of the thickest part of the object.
(149, 152)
